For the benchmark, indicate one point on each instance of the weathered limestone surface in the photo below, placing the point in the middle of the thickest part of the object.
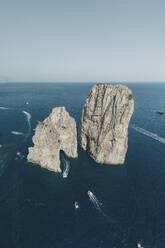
(57, 132)
(103, 128)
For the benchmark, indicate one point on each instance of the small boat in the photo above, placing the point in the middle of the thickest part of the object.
(161, 112)
(139, 245)
(90, 193)
(19, 156)
(64, 175)
(76, 206)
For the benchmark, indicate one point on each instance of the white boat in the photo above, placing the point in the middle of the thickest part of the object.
(90, 193)
(139, 245)
(64, 175)
(76, 205)
(161, 112)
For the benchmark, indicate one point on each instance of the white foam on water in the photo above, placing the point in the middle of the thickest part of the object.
(98, 207)
(17, 133)
(3, 108)
(66, 168)
(95, 202)
(28, 117)
(148, 133)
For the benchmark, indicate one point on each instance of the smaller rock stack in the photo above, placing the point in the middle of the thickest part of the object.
(56, 133)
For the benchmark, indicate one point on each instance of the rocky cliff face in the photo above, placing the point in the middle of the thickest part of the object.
(57, 132)
(103, 128)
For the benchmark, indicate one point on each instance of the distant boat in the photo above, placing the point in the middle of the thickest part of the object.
(139, 245)
(90, 193)
(161, 112)
(64, 175)
(76, 205)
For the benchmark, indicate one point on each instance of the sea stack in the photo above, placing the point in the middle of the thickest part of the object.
(103, 128)
(56, 133)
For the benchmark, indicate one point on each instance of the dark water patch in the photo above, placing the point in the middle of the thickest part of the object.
(37, 206)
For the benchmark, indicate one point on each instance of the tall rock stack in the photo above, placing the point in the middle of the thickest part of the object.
(56, 133)
(103, 128)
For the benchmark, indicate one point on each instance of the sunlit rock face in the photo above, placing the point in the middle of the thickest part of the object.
(103, 128)
(56, 133)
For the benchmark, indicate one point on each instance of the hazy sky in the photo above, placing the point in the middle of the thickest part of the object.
(82, 40)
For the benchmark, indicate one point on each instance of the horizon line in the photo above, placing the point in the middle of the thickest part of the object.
(94, 82)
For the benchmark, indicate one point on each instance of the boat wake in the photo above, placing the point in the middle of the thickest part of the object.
(3, 108)
(98, 206)
(148, 133)
(95, 201)
(28, 116)
(3, 162)
(66, 168)
(3, 166)
(35, 204)
(17, 133)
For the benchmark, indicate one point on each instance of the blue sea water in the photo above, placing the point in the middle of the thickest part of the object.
(37, 206)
